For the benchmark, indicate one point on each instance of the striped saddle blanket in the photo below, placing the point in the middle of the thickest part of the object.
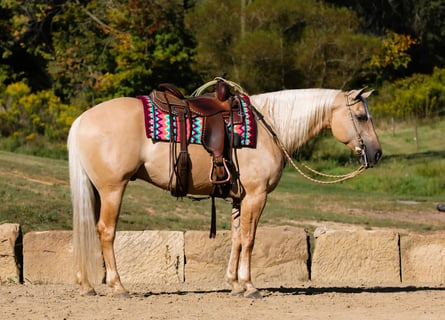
(159, 124)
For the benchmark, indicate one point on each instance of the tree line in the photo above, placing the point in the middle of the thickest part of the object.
(60, 57)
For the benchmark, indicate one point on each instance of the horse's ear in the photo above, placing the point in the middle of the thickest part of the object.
(367, 94)
(356, 93)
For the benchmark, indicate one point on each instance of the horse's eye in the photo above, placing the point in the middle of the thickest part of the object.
(362, 117)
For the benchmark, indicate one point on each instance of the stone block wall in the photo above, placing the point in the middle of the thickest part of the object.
(281, 257)
(356, 257)
(11, 260)
(423, 258)
(150, 257)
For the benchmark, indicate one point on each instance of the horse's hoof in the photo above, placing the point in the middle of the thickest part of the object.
(237, 293)
(253, 294)
(88, 293)
(121, 295)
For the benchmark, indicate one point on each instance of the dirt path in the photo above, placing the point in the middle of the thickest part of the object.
(182, 302)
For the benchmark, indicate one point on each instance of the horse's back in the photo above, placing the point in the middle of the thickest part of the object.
(115, 112)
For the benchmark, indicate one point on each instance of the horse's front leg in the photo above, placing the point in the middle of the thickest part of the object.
(243, 239)
(106, 227)
(232, 268)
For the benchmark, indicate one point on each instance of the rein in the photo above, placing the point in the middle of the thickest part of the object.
(337, 178)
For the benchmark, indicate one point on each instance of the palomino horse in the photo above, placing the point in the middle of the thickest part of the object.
(108, 147)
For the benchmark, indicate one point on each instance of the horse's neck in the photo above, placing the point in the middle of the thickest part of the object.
(296, 115)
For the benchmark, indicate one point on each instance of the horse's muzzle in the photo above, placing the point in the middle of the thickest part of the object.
(369, 158)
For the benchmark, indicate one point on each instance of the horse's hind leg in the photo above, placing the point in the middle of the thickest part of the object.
(106, 227)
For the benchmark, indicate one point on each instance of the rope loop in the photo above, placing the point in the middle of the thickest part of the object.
(337, 178)
(232, 84)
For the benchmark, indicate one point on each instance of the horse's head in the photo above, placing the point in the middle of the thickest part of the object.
(352, 124)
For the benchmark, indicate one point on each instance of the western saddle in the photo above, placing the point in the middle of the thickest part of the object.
(218, 110)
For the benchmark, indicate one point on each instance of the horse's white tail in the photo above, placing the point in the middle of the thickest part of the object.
(88, 262)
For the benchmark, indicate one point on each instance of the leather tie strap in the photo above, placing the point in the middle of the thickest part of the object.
(180, 168)
(213, 220)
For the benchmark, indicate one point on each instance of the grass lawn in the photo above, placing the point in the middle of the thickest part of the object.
(402, 191)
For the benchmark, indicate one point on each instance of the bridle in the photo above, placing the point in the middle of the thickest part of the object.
(361, 150)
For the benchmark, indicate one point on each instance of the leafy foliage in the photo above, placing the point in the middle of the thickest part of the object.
(393, 55)
(28, 114)
(423, 20)
(394, 51)
(25, 41)
(417, 96)
(60, 57)
(107, 49)
(282, 44)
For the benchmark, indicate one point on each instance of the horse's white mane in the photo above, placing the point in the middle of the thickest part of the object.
(296, 115)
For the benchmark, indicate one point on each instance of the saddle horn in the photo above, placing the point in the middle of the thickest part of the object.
(222, 90)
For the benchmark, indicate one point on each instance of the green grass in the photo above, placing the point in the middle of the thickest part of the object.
(404, 187)
(34, 192)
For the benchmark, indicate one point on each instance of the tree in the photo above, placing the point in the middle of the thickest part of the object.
(60, 57)
(106, 49)
(272, 45)
(25, 41)
(428, 24)
(421, 19)
(332, 52)
(393, 56)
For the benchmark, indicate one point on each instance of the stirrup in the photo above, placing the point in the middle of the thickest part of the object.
(229, 176)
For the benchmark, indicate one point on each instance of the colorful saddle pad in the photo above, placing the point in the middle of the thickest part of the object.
(158, 126)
